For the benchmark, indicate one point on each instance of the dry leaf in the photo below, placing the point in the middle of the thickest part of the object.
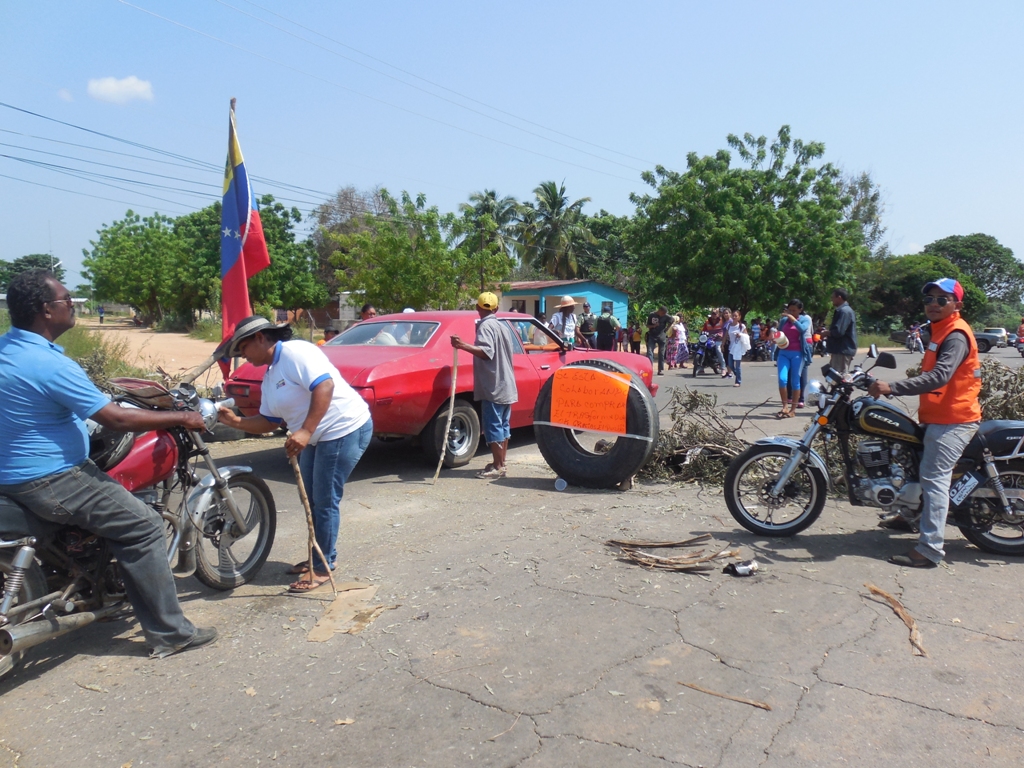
(91, 687)
(250, 691)
(346, 721)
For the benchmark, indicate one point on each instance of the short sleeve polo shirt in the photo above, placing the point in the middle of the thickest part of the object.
(297, 368)
(45, 398)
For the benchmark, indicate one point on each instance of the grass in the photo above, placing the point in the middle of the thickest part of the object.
(880, 340)
(206, 329)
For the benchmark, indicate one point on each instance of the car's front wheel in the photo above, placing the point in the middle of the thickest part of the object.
(463, 436)
(983, 346)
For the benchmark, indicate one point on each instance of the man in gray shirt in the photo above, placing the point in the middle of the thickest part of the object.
(841, 335)
(494, 380)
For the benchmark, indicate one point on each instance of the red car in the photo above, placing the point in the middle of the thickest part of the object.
(401, 365)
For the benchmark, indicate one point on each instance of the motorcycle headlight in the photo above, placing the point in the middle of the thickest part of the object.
(813, 394)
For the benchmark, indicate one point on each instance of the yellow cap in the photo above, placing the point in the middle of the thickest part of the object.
(487, 300)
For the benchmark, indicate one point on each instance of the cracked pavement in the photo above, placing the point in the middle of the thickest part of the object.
(516, 638)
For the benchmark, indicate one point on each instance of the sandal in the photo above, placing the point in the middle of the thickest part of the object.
(300, 568)
(913, 559)
(308, 585)
(780, 415)
(491, 473)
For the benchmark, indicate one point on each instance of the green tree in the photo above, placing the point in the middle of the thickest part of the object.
(888, 290)
(291, 279)
(748, 237)
(137, 261)
(990, 265)
(552, 231)
(198, 278)
(342, 214)
(415, 256)
(866, 207)
(607, 259)
(9, 269)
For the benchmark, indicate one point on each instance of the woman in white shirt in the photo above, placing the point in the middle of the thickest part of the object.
(330, 425)
(739, 345)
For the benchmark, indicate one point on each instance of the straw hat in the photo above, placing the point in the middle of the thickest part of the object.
(250, 326)
(567, 301)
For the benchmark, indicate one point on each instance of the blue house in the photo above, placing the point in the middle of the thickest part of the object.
(535, 296)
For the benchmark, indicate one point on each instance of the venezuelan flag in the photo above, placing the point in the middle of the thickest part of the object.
(243, 249)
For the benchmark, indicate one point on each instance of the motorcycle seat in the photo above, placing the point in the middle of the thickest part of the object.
(1002, 437)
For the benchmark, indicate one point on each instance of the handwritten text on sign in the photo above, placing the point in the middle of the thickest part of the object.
(590, 399)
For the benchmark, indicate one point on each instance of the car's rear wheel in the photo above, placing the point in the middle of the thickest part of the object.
(983, 346)
(463, 436)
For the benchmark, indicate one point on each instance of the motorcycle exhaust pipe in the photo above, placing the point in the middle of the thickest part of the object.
(21, 636)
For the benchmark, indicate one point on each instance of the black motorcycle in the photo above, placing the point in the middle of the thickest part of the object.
(758, 352)
(703, 354)
(778, 486)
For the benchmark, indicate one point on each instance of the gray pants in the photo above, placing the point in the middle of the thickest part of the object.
(86, 497)
(944, 444)
(840, 362)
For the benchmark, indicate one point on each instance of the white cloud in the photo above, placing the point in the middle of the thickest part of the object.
(915, 248)
(116, 91)
(65, 95)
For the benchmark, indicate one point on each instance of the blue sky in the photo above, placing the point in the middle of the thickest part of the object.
(925, 96)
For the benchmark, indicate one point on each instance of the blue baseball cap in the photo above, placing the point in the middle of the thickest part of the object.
(946, 285)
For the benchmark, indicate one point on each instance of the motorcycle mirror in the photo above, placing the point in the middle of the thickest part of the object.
(873, 352)
(886, 360)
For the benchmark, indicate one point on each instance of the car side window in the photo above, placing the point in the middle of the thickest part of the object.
(532, 337)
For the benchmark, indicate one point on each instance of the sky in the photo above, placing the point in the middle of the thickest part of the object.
(450, 98)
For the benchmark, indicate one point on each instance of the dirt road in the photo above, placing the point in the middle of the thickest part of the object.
(170, 351)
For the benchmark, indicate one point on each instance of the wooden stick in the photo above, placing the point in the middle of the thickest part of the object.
(309, 524)
(451, 411)
(751, 702)
(899, 610)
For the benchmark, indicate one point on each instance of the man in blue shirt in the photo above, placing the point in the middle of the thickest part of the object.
(44, 457)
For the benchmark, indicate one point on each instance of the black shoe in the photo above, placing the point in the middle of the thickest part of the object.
(203, 636)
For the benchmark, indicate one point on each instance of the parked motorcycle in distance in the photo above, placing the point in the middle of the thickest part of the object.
(703, 354)
(778, 486)
(55, 579)
(758, 352)
(914, 343)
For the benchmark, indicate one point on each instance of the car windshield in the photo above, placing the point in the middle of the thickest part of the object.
(390, 333)
(995, 330)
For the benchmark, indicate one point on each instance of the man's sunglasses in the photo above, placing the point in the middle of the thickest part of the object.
(940, 300)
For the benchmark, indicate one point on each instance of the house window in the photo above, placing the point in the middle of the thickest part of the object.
(518, 305)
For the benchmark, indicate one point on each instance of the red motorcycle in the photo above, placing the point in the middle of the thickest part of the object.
(220, 526)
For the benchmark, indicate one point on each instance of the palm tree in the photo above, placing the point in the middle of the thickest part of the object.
(553, 233)
(503, 213)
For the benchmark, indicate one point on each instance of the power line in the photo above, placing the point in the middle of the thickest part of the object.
(431, 93)
(367, 96)
(437, 85)
(70, 191)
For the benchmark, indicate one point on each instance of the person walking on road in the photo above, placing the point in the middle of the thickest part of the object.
(657, 335)
(330, 426)
(949, 385)
(494, 381)
(841, 335)
(739, 345)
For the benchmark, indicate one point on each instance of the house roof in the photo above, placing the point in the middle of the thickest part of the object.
(528, 285)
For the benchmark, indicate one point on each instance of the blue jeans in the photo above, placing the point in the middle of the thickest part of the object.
(86, 497)
(496, 418)
(737, 368)
(325, 468)
(943, 446)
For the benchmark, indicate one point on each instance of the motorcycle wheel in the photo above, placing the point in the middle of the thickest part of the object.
(1002, 538)
(226, 562)
(697, 366)
(32, 588)
(747, 482)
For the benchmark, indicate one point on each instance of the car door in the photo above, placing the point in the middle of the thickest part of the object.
(528, 373)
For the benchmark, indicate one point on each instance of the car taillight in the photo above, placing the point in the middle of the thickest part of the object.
(238, 390)
(367, 394)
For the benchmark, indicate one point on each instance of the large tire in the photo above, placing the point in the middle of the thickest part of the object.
(585, 468)
(463, 435)
(32, 588)
(746, 492)
(1001, 538)
(983, 345)
(224, 562)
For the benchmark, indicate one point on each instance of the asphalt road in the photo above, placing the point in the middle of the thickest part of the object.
(515, 637)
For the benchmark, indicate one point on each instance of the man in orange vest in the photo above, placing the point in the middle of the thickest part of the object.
(949, 384)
